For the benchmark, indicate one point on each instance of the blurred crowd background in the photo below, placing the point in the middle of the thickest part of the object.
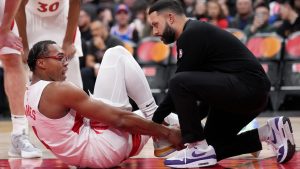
(264, 26)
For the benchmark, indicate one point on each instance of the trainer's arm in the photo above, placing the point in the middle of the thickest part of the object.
(22, 22)
(164, 109)
(121, 119)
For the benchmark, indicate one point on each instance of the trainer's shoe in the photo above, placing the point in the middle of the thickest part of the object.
(162, 147)
(193, 157)
(281, 138)
(21, 147)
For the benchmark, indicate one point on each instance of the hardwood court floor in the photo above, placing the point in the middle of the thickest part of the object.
(146, 160)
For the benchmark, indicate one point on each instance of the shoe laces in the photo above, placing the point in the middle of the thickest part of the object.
(188, 146)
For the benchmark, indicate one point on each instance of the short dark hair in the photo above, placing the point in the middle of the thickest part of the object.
(172, 5)
(262, 4)
(290, 2)
(39, 49)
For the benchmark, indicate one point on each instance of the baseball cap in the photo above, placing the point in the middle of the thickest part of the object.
(122, 7)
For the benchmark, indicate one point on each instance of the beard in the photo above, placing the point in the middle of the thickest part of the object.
(168, 35)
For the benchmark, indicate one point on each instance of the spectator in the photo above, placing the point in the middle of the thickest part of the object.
(244, 14)
(84, 23)
(105, 15)
(297, 6)
(140, 20)
(101, 41)
(200, 9)
(189, 7)
(260, 22)
(122, 29)
(216, 15)
(291, 19)
(224, 7)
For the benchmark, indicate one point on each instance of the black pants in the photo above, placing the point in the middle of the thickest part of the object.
(232, 105)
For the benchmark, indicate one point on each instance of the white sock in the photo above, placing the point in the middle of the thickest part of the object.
(264, 132)
(20, 124)
(200, 144)
(172, 120)
(148, 108)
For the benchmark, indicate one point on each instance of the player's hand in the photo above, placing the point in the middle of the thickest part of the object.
(69, 50)
(9, 39)
(175, 137)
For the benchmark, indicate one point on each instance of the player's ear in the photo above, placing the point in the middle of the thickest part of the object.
(41, 63)
(171, 18)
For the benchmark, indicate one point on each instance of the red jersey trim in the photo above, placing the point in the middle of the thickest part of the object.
(78, 123)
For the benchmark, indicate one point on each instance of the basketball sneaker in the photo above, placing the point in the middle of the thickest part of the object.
(281, 138)
(193, 157)
(21, 147)
(162, 147)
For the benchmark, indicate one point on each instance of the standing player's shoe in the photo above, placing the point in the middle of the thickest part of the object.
(21, 147)
(193, 157)
(282, 138)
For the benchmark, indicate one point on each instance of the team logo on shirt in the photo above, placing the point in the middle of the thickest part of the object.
(180, 53)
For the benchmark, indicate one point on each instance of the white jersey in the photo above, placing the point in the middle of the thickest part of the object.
(47, 20)
(76, 140)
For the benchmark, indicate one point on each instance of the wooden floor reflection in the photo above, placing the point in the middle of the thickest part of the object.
(146, 160)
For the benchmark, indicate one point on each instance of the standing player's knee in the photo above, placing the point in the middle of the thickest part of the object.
(11, 61)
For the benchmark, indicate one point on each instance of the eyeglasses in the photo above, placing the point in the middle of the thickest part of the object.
(59, 57)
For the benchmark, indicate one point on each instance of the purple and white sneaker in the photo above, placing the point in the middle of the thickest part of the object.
(281, 138)
(193, 157)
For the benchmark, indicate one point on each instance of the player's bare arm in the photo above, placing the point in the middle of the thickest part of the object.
(63, 95)
(22, 22)
(73, 16)
(7, 38)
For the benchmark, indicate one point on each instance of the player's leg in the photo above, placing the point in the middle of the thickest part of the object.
(120, 76)
(73, 73)
(14, 82)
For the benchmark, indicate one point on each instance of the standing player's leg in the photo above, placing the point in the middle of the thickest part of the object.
(73, 73)
(14, 83)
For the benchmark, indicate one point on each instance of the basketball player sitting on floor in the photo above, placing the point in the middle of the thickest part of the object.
(91, 132)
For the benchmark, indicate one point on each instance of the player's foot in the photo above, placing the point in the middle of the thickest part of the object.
(162, 147)
(282, 138)
(21, 147)
(193, 157)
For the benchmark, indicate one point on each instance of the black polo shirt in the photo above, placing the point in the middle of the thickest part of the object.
(206, 48)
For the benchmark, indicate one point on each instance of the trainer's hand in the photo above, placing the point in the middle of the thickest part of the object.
(69, 50)
(9, 39)
(175, 137)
